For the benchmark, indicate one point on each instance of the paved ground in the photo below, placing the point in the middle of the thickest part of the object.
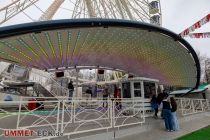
(187, 125)
(152, 129)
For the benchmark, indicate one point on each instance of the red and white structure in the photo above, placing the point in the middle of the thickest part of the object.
(197, 25)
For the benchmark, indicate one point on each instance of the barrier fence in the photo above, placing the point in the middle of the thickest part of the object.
(70, 116)
(80, 116)
(189, 106)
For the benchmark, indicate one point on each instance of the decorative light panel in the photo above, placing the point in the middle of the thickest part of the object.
(142, 49)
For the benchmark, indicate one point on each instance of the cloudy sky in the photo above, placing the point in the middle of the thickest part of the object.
(180, 14)
(176, 14)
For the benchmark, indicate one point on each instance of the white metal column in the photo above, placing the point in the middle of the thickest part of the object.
(142, 89)
(132, 89)
(77, 70)
(156, 87)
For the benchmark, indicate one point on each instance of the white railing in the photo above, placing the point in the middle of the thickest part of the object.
(189, 106)
(80, 116)
(71, 117)
(128, 112)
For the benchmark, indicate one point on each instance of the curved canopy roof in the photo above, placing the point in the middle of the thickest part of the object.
(138, 48)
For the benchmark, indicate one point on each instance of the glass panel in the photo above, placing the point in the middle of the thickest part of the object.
(137, 85)
(126, 90)
(137, 93)
(149, 89)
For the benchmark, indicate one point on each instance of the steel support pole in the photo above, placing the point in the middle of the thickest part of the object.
(77, 71)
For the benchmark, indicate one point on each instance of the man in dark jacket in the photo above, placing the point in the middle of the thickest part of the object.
(89, 91)
(154, 105)
(160, 97)
(71, 89)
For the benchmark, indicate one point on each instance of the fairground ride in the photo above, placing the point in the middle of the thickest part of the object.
(20, 11)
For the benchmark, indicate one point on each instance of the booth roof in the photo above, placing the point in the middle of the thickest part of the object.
(200, 89)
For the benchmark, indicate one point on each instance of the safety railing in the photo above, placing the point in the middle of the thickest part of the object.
(189, 106)
(45, 80)
(128, 112)
(70, 116)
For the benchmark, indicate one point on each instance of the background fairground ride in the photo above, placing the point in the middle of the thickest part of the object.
(11, 11)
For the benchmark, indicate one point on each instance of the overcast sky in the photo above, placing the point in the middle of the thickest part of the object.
(180, 14)
(176, 14)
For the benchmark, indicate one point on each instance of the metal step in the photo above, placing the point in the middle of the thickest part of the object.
(39, 89)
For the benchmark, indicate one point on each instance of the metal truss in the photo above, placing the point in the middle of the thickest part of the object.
(14, 8)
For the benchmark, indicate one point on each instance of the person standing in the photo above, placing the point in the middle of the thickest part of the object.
(167, 114)
(160, 98)
(71, 89)
(105, 97)
(154, 105)
(89, 91)
(117, 98)
(115, 91)
(175, 123)
(159, 101)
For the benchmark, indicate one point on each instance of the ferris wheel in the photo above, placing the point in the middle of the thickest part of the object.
(20, 11)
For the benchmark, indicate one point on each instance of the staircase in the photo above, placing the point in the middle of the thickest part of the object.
(40, 90)
(14, 72)
(43, 83)
(46, 85)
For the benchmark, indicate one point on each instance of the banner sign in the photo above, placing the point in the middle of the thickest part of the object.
(196, 25)
(199, 35)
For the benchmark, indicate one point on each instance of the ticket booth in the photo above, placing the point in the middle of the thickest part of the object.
(138, 88)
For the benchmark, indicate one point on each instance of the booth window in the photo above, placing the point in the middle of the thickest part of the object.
(137, 89)
(126, 90)
(149, 89)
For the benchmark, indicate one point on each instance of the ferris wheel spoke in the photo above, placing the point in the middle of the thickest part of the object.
(29, 16)
(104, 8)
(75, 11)
(99, 11)
(125, 4)
(38, 8)
(81, 10)
(141, 15)
(112, 9)
(66, 9)
(139, 10)
(119, 6)
(143, 2)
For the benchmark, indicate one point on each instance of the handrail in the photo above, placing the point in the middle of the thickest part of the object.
(48, 77)
(56, 88)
